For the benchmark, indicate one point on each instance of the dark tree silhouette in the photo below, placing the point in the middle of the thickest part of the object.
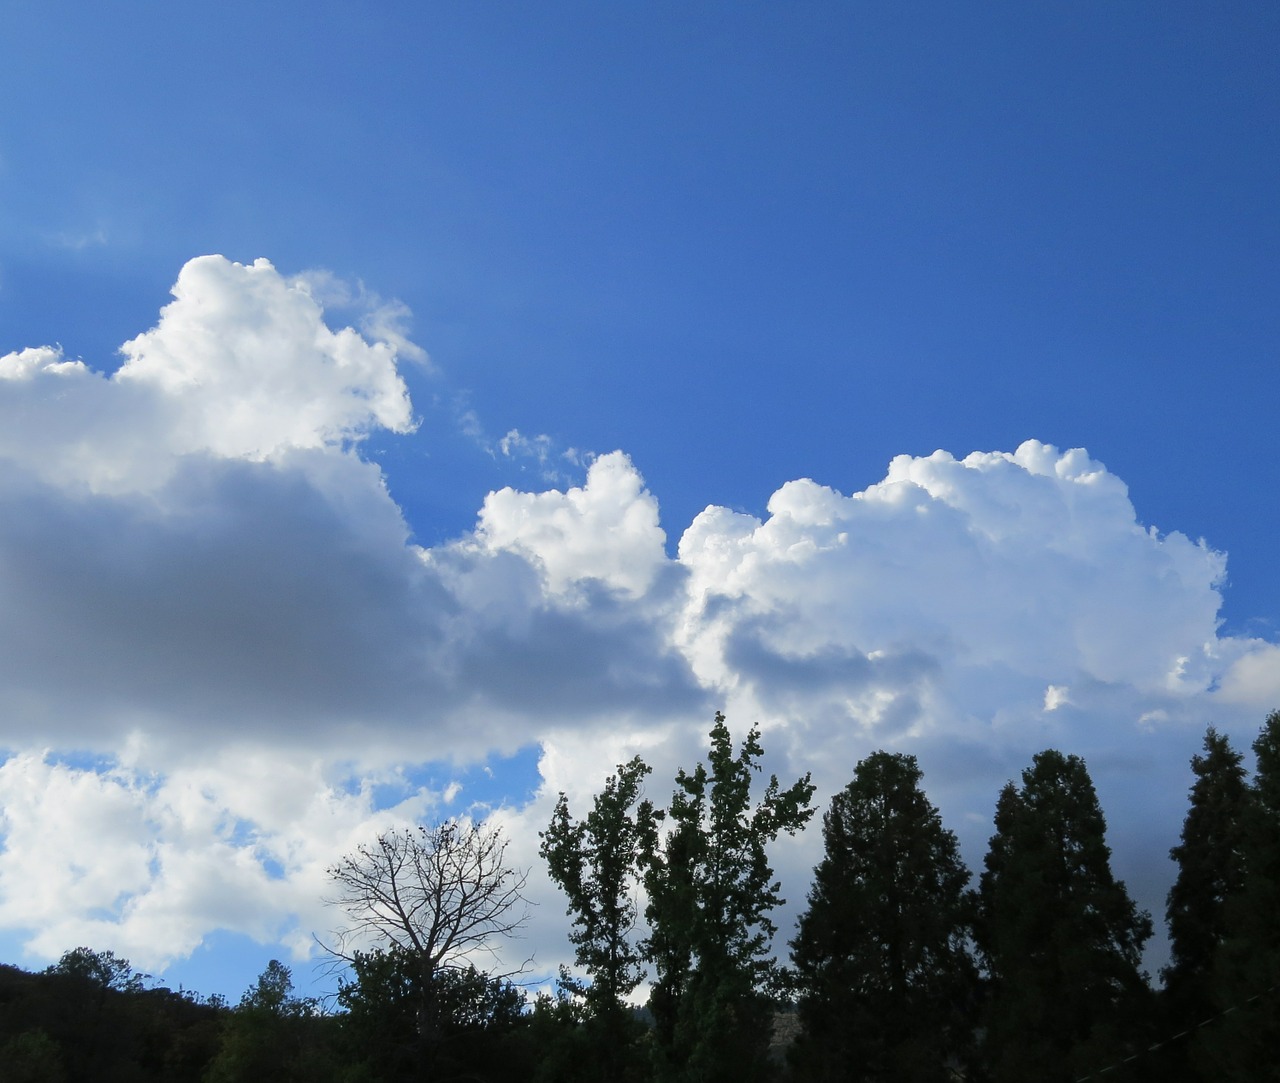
(597, 864)
(100, 969)
(1211, 872)
(273, 1035)
(1240, 1047)
(885, 978)
(711, 890)
(478, 1024)
(1059, 935)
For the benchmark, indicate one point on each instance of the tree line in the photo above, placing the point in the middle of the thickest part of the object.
(902, 965)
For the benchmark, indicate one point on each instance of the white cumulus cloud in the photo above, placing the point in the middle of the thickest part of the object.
(251, 368)
(607, 530)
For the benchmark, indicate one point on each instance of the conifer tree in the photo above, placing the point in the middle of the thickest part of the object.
(711, 890)
(884, 974)
(1059, 935)
(1240, 1045)
(1211, 871)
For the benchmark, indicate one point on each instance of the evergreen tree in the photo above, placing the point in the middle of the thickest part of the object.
(1240, 1046)
(596, 863)
(710, 894)
(882, 966)
(1211, 871)
(1060, 938)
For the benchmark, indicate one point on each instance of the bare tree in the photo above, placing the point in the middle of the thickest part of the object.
(441, 895)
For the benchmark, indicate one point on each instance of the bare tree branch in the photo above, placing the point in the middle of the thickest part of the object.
(444, 893)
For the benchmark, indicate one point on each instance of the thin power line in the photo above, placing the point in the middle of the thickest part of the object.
(1179, 1036)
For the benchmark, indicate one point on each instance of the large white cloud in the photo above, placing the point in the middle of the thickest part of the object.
(207, 587)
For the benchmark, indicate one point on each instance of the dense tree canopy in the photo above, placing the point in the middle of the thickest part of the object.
(274, 1035)
(100, 969)
(477, 1023)
(99, 1022)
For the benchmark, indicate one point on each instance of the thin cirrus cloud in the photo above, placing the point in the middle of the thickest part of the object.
(209, 590)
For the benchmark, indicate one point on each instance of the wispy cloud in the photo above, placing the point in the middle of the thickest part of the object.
(539, 454)
(97, 237)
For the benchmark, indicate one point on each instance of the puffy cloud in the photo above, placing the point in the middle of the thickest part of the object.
(76, 843)
(972, 612)
(207, 586)
(605, 531)
(1253, 679)
(1031, 562)
(24, 365)
(152, 864)
(250, 368)
(240, 365)
(947, 598)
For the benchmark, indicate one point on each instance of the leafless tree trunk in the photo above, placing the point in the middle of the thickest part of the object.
(443, 894)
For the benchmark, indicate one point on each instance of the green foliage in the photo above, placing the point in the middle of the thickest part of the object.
(380, 1013)
(882, 967)
(72, 1020)
(711, 891)
(566, 1052)
(272, 993)
(475, 1025)
(596, 863)
(32, 1057)
(1059, 935)
(100, 969)
(272, 1035)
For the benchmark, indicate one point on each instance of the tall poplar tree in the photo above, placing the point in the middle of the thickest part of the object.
(885, 978)
(1059, 936)
(711, 890)
(596, 863)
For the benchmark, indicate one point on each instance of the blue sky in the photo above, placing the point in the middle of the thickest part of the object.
(741, 244)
